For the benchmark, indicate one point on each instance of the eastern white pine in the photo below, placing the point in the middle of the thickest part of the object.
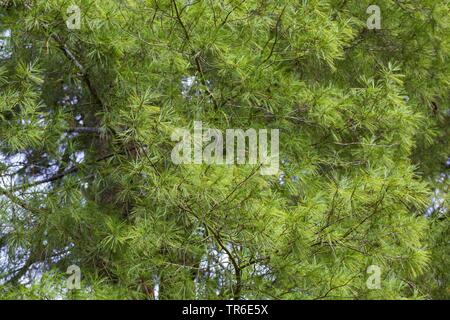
(86, 174)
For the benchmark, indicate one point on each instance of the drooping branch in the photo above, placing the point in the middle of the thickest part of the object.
(196, 55)
(53, 178)
(71, 56)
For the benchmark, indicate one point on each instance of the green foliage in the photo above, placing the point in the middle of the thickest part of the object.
(85, 150)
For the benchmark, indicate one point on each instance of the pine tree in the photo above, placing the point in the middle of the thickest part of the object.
(86, 117)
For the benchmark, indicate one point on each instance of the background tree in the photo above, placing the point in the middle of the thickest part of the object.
(86, 117)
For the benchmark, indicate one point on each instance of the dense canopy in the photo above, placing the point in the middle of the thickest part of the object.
(87, 178)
